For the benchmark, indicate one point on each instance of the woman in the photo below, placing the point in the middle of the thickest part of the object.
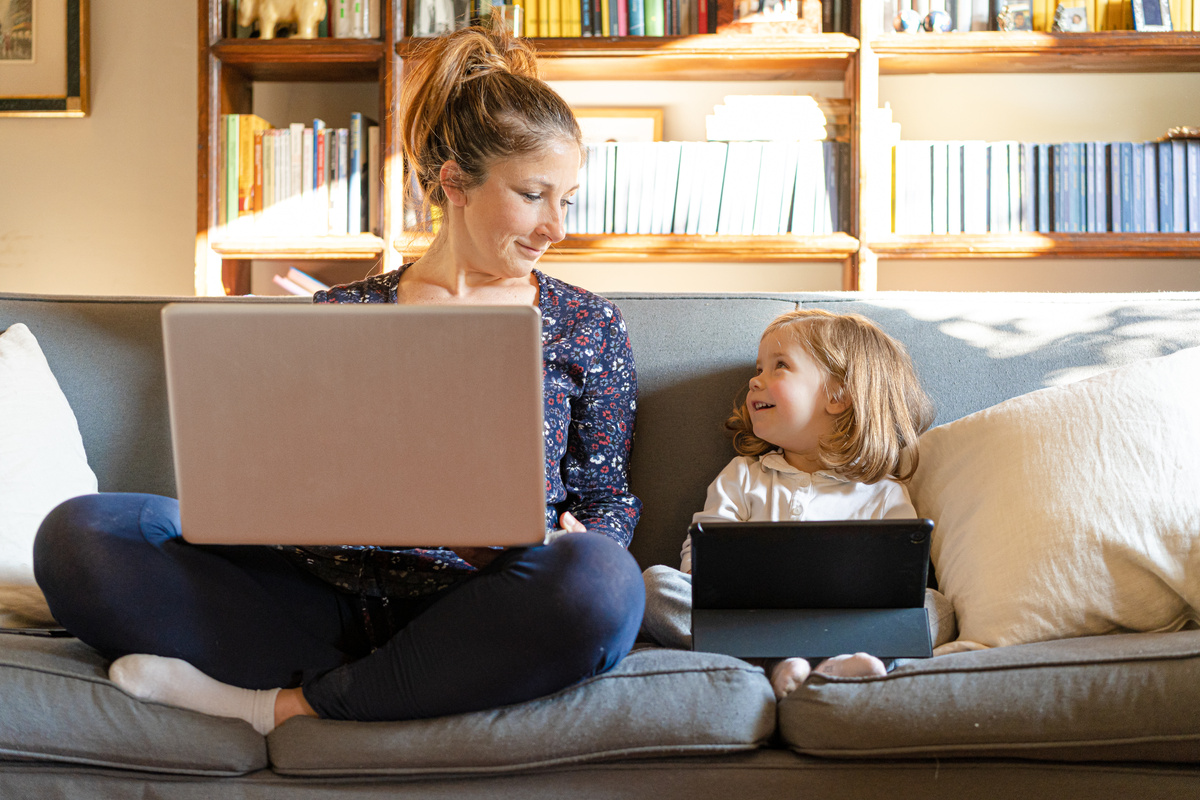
(265, 634)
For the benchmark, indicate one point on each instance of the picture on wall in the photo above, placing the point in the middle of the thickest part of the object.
(16, 30)
(43, 58)
(601, 125)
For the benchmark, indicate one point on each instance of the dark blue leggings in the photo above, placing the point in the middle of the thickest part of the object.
(117, 574)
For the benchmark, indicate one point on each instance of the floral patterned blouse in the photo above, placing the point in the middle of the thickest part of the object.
(590, 391)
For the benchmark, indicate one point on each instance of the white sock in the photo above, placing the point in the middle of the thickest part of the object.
(174, 682)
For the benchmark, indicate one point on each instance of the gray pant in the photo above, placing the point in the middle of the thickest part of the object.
(668, 618)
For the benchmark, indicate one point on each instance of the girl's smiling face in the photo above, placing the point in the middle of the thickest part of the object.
(518, 211)
(789, 402)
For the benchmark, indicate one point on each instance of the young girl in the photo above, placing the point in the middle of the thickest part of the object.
(828, 430)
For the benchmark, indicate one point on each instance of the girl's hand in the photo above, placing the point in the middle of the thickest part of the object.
(569, 524)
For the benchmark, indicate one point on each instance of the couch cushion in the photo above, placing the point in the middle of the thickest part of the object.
(655, 703)
(1126, 697)
(57, 705)
(1073, 510)
(42, 463)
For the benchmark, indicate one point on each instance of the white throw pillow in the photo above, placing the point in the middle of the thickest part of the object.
(1070, 511)
(42, 463)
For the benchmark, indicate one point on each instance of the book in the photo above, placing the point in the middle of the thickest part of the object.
(998, 187)
(975, 187)
(249, 126)
(1028, 187)
(954, 187)
(769, 197)
(787, 192)
(810, 176)
(733, 191)
(637, 159)
(597, 176)
(610, 182)
(920, 213)
(939, 187)
(339, 196)
(655, 17)
(1138, 182)
(1112, 154)
(1179, 216)
(305, 281)
(1150, 176)
(357, 175)
(1193, 185)
(1014, 187)
(1089, 149)
(1166, 191)
(622, 17)
(1127, 212)
(374, 181)
(689, 174)
(747, 184)
(637, 18)
(666, 185)
(1042, 156)
(713, 171)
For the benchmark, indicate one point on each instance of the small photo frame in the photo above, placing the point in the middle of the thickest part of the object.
(1151, 15)
(44, 58)
(630, 124)
(1071, 19)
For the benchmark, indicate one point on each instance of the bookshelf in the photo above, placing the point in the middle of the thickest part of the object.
(1016, 53)
(228, 72)
(229, 69)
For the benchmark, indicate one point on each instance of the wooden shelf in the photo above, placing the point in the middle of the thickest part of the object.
(1028, 51)
(323, 60)
(713, 57)
(1041, 245)
(336, 248)
(669, 248)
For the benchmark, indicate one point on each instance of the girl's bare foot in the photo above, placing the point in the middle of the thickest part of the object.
(856, 665)
(787, 675)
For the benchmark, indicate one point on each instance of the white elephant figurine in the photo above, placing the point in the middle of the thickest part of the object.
(307, 14)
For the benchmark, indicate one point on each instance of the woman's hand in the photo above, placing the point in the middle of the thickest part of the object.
(569, 524)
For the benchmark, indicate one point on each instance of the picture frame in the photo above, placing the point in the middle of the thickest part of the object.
(620, 124)
(44, 59)
(1070, 18)
(1151, 15)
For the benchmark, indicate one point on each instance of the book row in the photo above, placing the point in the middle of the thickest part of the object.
(299, 180)
(707, 188)
(1075, 187)
(1041, 15)
(571, 18)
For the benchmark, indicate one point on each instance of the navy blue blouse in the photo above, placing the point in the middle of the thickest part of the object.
(590, 391)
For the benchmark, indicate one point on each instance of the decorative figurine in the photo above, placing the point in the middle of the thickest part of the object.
(908, 21)
(1004, 20)
(307, 14)
(938, 21)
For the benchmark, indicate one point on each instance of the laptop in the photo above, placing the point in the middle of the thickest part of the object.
(811, 589)
(404, 426)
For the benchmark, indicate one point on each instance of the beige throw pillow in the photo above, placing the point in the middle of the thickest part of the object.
(42, 463)
(1070, 511)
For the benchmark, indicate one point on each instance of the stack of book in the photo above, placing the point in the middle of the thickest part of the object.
(772, 165)
(298, 180)
(1075, 187)
(1038, 15)
(726, 188)
(573, 18)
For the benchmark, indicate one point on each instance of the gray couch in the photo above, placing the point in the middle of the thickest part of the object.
(1115, 716)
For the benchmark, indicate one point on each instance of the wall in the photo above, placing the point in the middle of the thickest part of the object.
(107, 204)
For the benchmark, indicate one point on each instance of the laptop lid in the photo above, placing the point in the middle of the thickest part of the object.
(813, 589)
(357, 424)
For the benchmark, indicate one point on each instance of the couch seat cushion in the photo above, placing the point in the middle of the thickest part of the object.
(656, 702)
(57, 705)
(1123, 697)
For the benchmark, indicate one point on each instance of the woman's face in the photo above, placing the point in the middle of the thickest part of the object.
(519, 211)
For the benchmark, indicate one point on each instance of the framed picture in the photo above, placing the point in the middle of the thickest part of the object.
(1151, 15)
(620, 124)
(43, 58)
(1071, 19)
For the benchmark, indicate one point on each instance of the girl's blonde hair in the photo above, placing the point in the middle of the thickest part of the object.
(876, 436)
(474, 96)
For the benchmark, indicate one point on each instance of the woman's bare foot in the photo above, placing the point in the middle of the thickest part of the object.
(291, 703)
(857, 665)
(787, 675)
